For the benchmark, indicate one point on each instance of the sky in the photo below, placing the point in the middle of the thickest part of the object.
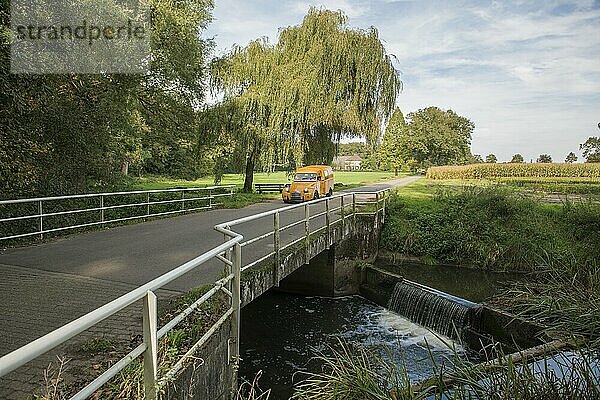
(527, 73)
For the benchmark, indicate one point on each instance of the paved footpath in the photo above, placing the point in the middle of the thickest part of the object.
(45, 286)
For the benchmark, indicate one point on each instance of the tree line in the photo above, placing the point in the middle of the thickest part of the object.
(590, 150)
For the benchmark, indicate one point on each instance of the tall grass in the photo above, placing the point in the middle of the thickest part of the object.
(490, 228)
(565, 297)
(355, 373)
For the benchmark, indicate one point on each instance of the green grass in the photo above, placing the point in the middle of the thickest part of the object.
(488, 227)
(347, 178)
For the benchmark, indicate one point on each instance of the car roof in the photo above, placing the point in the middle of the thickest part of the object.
(313, 168)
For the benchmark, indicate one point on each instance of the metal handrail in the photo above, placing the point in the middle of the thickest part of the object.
(230, 253)
(226, 227)
(85, 195)
(101, 208)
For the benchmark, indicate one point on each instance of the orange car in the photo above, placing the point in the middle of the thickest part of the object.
(309, 183)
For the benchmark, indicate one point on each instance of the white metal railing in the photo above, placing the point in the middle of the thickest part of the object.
(202, 198)
(230, 253)
(355, 201)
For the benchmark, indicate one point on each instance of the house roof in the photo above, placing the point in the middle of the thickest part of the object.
(342, 159)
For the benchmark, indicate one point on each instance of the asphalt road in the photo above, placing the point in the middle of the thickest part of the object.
(48, 285)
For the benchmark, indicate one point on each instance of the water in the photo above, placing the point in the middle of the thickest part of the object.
(444, 314)
(281, 333)
(466, 283)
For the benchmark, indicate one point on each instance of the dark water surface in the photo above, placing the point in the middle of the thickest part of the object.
(467, 283)
(281, 333)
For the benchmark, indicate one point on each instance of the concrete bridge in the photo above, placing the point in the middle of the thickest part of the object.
(105, 283)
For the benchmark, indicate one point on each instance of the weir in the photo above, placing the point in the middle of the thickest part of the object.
(444, 313)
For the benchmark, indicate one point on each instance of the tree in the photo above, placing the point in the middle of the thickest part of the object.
(517, 158)
(544, 158)
(320, 81)
(64, 133)
(476, 159)
(591, 149)
(391, 153)
(571, 158)
(491, 158)
(430, 136)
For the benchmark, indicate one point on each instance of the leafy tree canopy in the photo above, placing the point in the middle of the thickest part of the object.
(517, 158)
(491, 158)
(544, 158)
(321, 80)
(591, 149)
(571, 158)
(432, 136)
(65, 133)
(392, 153)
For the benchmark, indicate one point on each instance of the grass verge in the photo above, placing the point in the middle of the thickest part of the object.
(488, 227)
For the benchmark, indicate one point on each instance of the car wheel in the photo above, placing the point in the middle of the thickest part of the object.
(330, 192)
(316, 196)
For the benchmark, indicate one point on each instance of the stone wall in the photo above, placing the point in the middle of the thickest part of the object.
(210, 375)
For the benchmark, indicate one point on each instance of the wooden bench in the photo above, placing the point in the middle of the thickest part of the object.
(269, 187)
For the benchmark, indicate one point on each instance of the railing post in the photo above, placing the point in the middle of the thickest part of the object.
(101, 208)
(354, 208)
(147, 204)
(307, 231)
(376, 208)
(182, 199)
(209, 198)
(236, 303)
(383, 209)
(343, 214)
(276, 247)
(327, 222)
(41, 220)
(150, 340)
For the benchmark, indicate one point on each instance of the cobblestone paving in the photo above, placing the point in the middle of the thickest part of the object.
(35, 302)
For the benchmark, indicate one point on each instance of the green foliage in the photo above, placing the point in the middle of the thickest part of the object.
(544, 158)
(355, 373)
(564, 297)
(391, 153)
(491, 159)
(571, 158)
(64, 133)
(555, 185)
(320, 80)
(429, 137)
(546, 170)
(490, 228)
(517, 158)
(591, 149)
(437, 137)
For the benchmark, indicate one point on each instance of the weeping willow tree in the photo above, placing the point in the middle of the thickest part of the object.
(319, 82)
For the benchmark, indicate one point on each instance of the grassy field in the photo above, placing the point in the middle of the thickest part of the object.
(347, 178)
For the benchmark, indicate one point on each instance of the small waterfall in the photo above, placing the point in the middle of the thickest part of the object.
(444, 313)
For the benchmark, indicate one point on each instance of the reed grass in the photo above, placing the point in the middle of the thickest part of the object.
(356, 373)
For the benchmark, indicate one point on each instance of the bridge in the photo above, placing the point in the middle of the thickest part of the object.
(101, 283)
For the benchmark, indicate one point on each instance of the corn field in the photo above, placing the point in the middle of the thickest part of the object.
(545, 170)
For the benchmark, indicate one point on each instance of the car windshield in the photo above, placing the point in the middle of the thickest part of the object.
(306, 176)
